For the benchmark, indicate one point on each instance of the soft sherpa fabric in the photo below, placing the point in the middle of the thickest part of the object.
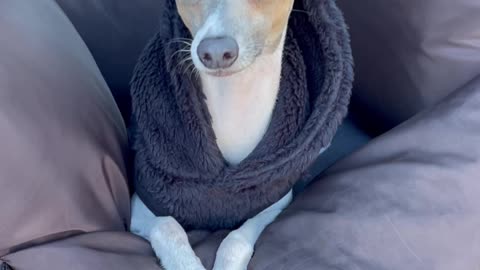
(179, 170)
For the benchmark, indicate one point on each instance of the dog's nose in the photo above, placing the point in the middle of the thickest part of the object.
(217, 53)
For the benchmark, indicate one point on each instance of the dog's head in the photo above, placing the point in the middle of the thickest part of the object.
(229, 35)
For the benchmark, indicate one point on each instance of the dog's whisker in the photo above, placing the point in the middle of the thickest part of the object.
(174, 41)
(177, 65)
(196, 73)
(186, 46)
(182, 38)
(184, 50)
(186, 42)
(180, 51)
(180, 68)
(301, 11)
(194, 69)
(190, 66)
(187, 65)
(182, 63)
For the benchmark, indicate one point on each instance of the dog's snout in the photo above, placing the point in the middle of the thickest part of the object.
(218, 53)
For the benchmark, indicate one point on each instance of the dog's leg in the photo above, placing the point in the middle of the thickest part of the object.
(168, 239)
(237, 248)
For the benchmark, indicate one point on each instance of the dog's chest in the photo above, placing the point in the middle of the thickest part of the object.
(241, 106)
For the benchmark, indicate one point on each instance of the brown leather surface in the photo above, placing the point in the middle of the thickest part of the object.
(62, 138)
(408, 200)
(92, 251)
(115, 31)
(410, 54)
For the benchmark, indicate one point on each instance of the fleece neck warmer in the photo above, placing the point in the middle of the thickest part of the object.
(179, 170)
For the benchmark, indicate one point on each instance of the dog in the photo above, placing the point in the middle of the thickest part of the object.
(237, 50)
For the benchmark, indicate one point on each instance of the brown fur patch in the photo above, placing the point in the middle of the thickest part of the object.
(279, 11)
(191, 13)
(276, 12)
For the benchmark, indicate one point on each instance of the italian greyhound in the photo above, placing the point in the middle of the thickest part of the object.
(237, 50)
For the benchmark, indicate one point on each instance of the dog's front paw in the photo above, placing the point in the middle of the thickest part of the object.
(234, 253)
(142, 218)
(170, 243)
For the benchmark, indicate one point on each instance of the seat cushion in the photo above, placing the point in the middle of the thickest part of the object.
(410, 54)
(407, 200)
(62, 139)
(115, 31)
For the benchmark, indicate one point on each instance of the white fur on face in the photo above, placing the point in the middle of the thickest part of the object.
(241, 105)
(220, 24)
(256, 26)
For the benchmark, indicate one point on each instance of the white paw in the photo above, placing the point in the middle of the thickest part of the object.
(142, 219)
(285, 201)
(136, 229)
(234, 253)
(170, 243)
